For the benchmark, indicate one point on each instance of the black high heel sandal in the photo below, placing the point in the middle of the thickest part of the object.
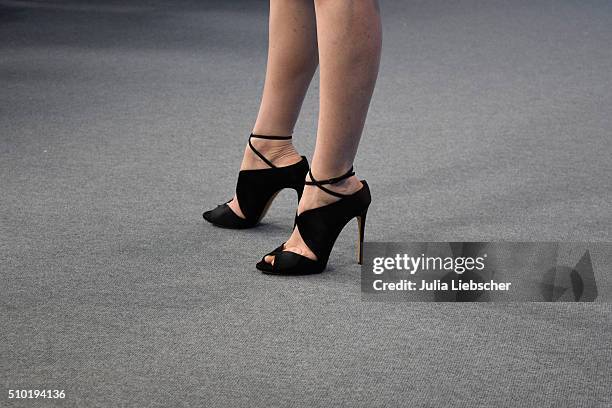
(256, 189)
(319, 228)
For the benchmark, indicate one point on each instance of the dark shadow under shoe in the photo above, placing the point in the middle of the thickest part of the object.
(256, 189)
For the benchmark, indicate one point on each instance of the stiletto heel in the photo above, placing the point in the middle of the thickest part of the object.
(256, 189)
(319, 228)
(361, 219)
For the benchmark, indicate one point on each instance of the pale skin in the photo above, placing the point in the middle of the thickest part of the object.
(344, 37)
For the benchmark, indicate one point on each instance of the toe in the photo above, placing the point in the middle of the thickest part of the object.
(270, 258)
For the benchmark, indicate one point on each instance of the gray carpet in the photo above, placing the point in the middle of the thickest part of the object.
(121, 121)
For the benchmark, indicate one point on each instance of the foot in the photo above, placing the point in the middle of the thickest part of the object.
(314, 197)
(280, 152)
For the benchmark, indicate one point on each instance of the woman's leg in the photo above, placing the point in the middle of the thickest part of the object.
(292, 61)
(349, 38)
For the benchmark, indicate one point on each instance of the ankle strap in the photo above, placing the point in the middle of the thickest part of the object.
(319, 183)
(261, 156)
(270, 137)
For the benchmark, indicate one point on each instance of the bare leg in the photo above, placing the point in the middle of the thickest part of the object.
(292, 61)
(349, 39)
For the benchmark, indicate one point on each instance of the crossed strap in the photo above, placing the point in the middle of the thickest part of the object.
(313, 182)
(261, 156)
(320, 183)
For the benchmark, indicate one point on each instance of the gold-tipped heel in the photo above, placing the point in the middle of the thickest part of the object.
(361, 219)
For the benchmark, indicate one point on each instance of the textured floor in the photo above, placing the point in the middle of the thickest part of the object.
(121, 121)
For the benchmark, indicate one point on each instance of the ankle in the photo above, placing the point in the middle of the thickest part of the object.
(279, 152)
(275, 150)
(314, 197)
(347, 186)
